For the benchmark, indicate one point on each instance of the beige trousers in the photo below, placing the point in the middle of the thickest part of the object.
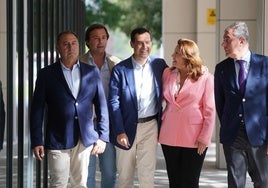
(142, 156)
(70, 163)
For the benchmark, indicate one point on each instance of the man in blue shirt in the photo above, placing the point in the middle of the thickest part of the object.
(67, 91)
(96, 39)
(135, 106)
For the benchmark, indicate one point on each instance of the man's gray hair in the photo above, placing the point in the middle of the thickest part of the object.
(240, 29)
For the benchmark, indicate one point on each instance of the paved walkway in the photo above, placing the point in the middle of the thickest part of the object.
(211, 177)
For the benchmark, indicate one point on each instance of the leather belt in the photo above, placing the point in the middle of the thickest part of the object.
(146, 119)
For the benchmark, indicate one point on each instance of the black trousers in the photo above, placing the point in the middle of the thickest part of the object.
(183, 166)
(241, 158)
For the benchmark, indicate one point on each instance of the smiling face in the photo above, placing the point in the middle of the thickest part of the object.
(232, 45)
(97, 41)
(178, 61)
(142, 46)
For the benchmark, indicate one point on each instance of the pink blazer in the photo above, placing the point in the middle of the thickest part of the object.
(191, 117)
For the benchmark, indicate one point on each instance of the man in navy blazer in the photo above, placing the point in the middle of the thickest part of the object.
(243, 113)
(66, 91)
(135, 106)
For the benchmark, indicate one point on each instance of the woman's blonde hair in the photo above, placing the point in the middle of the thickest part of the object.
(191, 54)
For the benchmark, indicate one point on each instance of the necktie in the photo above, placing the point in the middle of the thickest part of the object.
(242, 75)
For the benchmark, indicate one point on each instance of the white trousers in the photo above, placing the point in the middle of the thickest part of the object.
(141, 155)
(70, 163)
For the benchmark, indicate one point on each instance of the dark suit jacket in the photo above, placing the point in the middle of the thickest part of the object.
(2, 118)
(232, 106)
(123, 105)
(68, 119)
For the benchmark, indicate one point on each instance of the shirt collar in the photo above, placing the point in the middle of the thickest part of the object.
(246, 57)
(91, 59)
(77, 64)
(137, 65)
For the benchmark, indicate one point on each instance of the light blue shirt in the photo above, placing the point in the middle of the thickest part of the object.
(72, 77)
(145, 90)
(104, 74)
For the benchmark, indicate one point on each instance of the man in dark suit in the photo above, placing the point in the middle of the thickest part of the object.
(68, 89)
(135, 104)
(2, 118)
(242, 107)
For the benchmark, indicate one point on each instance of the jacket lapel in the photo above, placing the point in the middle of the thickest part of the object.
(61, 78)
(129, 74)
(231, 75)
(254, 74)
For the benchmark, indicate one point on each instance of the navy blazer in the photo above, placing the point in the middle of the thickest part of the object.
(122, 103)
(2, 118)
(232, 106)
(68, 119)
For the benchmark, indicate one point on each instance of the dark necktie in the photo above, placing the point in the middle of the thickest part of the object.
(242, 75)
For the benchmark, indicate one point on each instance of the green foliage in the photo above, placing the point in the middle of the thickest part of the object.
(103, 11)
(126, 15)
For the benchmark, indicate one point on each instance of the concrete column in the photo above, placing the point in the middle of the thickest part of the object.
(3, 51)
(189, 19)
(179, 21)
(265, 30)
(206, 31)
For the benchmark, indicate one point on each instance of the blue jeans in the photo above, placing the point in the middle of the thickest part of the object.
(107, 164)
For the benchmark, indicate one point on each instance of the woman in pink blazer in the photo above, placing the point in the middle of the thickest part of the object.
(189, 115)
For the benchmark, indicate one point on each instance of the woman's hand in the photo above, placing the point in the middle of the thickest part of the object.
(201, 147)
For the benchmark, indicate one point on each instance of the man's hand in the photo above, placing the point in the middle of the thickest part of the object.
(98, 147)
(39, 152)
(122, 139)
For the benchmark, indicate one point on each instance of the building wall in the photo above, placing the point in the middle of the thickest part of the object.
(188, 19)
